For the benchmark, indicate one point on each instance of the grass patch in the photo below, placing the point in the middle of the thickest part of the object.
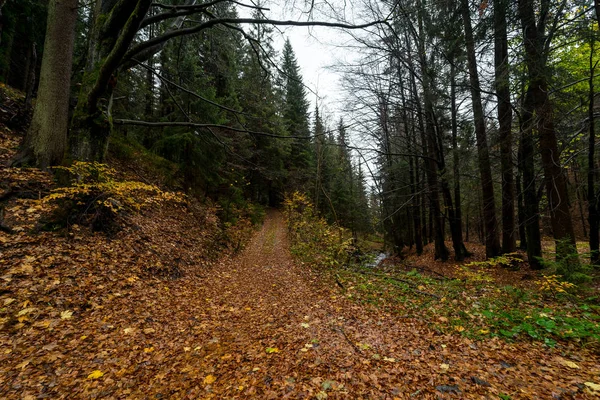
(476, 307)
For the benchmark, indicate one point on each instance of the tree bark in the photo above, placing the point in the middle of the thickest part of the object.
(92, 125)
(46, 139)
(593, 214)
(455, 159)
(492, 242)
(531, 212)
(509, 244)
(556, 185)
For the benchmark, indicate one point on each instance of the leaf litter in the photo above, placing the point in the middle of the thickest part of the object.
(89, 317)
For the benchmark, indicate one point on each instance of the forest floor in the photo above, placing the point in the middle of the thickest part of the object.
(255, 325)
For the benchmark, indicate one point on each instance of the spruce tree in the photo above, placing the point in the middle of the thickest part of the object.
(295, 114)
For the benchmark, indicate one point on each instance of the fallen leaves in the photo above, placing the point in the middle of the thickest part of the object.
(569, 364)
(593, 386)
(26, 311)
(96, 374)
(211, 336)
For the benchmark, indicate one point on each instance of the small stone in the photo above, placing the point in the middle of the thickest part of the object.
(480, 382)
(448, 388)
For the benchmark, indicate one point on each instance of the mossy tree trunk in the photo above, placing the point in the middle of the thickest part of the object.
(46, 139)
(115, 26)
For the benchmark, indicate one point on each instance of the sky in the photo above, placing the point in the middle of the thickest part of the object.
(316, 49)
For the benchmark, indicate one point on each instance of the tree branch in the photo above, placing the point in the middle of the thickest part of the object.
(137, 50)
(197, 125)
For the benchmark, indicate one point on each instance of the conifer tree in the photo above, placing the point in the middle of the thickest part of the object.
(295, 114)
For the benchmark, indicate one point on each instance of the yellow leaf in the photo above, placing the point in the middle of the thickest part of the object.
(128, 330)
(148, 349)
(593, 386)
(444, 367)
(23, 364)
(270, 350)
(26, 311)
(459, 328)
(43, 324)
(66, 314)
(209, 379)
(96, 374)
(569, 364)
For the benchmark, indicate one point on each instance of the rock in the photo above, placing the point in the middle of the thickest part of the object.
(479, 382)
(448, 389)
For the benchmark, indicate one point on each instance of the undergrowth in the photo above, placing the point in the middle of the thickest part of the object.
(95, 197)
(313, 241)
(474, 306)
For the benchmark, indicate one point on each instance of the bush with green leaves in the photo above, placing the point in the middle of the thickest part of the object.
(569, 267)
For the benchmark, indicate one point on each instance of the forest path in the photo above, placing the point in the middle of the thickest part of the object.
(280, 330)
(90, 324)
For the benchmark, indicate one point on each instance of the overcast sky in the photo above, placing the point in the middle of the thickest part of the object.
(316, 48)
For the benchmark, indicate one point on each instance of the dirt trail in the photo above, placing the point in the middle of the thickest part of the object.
(326, 345)
(261, 326)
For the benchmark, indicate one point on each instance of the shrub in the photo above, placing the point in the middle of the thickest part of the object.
(96, 198)
(568, 267)
(313, 240)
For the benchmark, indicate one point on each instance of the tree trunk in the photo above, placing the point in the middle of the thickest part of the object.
(492, 242)
(428, 141)
(2, 3)
(531, 211)
(46, 139)
(455, 159)
(116, 24)
(556, 185)
(30, 81)
(593, 214)
(580, 195)
(509, 244)
(413, 169)
(520, 208)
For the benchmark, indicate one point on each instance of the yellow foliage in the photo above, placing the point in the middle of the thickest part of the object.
(551, 284)
(95, 188)
(313, 239)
